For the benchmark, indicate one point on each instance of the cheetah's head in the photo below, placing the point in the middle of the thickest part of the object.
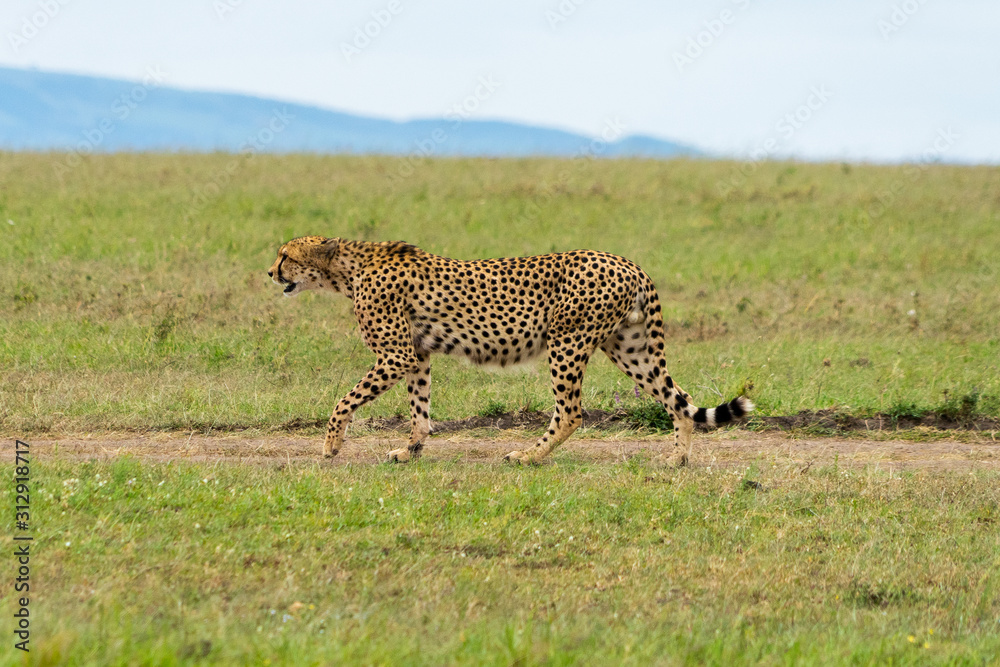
(305, 263)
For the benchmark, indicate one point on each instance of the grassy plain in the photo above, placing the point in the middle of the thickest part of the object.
(450, 562)
(133, 292)
(133, 296)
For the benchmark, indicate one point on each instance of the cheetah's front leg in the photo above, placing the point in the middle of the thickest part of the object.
(380, 379)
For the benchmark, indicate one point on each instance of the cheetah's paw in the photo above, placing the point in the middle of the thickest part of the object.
(519, 458)
(401, 455)
(676, 461)
(331, 446)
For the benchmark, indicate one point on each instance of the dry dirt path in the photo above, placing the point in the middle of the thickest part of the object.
(728, 449)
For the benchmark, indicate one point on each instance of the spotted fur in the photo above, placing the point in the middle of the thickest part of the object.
(410, 304)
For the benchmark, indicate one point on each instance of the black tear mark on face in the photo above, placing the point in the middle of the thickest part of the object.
(280, 278)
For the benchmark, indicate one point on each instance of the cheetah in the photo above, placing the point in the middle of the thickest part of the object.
(410, 304)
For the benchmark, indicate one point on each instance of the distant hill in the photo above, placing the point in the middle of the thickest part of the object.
(51, 111)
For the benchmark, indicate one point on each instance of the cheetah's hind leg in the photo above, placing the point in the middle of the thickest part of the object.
(418, 388)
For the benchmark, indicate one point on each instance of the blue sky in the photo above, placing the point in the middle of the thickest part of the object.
(879, 80)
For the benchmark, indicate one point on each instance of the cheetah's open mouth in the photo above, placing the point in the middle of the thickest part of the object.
(290, 287)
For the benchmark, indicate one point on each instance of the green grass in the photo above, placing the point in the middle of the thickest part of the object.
(130, 301)
(458, 563)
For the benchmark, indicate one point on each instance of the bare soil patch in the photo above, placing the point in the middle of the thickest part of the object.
(829, 420)
(724, 449)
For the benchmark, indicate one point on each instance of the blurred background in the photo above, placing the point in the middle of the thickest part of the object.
(882, 81)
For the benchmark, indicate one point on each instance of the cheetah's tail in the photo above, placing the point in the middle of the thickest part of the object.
(725, 413)
(711, 417)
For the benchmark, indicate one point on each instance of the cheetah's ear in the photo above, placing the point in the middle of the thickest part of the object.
(329, 248)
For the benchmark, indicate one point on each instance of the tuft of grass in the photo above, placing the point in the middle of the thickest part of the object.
(880, 595)
(966, 406)
(906, 410)
(493, 408)
(962, 407)
(648, 414)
